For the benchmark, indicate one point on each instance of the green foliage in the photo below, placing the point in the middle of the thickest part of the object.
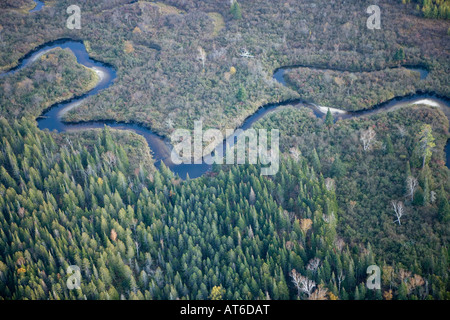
(426, 143)
(236, 10)
(435, 9)
(389, 145)
(241, 94)
(372, 180)
(162, 82)
(338, 168)
(400, 55)
(356, 90)
(148, 235)
(329, 120)
(96, 201)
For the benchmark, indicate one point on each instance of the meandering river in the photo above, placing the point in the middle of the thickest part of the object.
(51, 119)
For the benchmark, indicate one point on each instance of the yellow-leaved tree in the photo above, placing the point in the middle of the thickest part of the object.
(217, 292)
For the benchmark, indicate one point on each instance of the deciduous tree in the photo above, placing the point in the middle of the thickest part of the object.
(368, 138)
(398, 209)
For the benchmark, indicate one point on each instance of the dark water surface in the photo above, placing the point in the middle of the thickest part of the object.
(38, 7)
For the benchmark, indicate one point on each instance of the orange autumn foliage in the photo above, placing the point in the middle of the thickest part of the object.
(113, 235)
(21, 270)
(128, 48)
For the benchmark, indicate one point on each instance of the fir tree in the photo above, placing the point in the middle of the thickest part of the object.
(236, 10)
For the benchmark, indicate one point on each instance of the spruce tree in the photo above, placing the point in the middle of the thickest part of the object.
(236, 10)
(329, 119)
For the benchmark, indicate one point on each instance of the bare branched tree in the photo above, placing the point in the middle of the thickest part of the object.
(401, 130)
(433, 196)
(295, 153)
(411, 185)
(329, 184)
(138, 246)
(368, 138)
(303, 284)
(339, 243)
(313, 265)
(399, 210)
(340, 278)
(201, 56)
(246, 54)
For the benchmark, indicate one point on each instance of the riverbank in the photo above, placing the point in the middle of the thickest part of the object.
(161, 147)
(100, 76)
(355, 91)
(52, 76)
(52, 119)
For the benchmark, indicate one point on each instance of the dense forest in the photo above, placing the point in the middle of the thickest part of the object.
(145, 234)
(349, 194)
(367, 180)
(433, 9)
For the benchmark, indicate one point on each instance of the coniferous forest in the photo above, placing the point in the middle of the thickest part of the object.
(366, 185)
